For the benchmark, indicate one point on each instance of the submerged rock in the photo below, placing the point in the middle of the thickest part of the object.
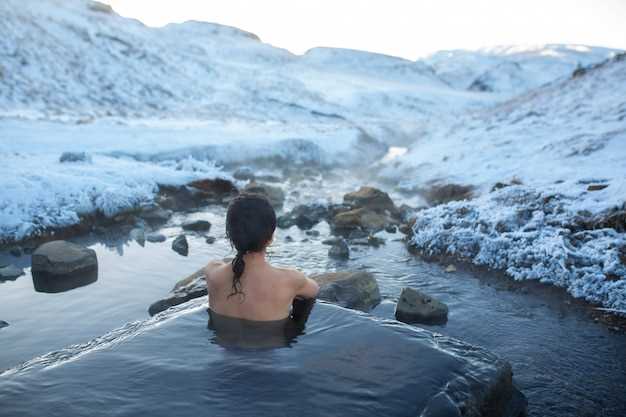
(138, 235)
(10, 272)
(244, 174)
(60, 257)
(275, 195)
(339, 250)
(156, 237)
(304, 216)
(197, 226)
(180, 245)
(417, 307)
(356, 290)
(74, 157)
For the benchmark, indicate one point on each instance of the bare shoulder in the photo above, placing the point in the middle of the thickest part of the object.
(212, 268)
(293, 275)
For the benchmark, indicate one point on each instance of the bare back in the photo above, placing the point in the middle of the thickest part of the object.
(267, 292)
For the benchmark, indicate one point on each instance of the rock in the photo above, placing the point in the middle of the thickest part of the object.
(244, 174)
(3, 324)
(417, 307)
(330, 241)
(99, 7)
(356, 290)
(597, 187)
(197, 193)
(450, 268)
(72, 157)
(210, 240)
(275, 195)
(370, 198)
(441, 194)
(193, 286)
(180, 245)
(303, 216)
(60, 257)
(312, 233)
(391, 228)
(215, 187)
(368, 241)
(339, 250)
(10, 272)
(16, 251)
(197, 226)
(360, 218)
(288, 239)
(138, 235)
(156, 237)
(155, 215)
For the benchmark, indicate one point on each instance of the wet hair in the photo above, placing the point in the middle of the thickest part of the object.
(250, 224)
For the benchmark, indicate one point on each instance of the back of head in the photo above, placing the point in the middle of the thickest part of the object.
(250, 225)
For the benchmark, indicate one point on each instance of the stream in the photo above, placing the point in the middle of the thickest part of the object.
(563, 361)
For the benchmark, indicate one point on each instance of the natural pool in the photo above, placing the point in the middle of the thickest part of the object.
(564, 362)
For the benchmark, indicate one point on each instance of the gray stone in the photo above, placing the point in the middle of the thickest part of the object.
(356, 290)
(197, 225)
(304, 216)
(74, 157)
(60, 257)
(417, 307)
(370, 198)
(10, 272)
(210, 240)
(180, 245)
(154, 214)
(138, 235)
(244, 174)
(193, 286)
(339, 250)
(156, 237)
(275, 195)
(3, 324)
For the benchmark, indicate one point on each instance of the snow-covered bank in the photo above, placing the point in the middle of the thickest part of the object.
(530, 234)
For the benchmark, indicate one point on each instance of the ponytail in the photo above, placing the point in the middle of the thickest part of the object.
(239, 266)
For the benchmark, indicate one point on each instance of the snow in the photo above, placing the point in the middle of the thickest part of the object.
(169, 105)
(557, 141)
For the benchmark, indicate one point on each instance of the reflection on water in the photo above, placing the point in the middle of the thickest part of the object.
(51, 283)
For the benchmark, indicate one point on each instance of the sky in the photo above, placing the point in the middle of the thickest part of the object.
(406, 28)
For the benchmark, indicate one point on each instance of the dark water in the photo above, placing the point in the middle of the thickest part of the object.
(565, 363)
(344, 364)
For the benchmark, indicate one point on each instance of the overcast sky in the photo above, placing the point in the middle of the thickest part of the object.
(407, 28)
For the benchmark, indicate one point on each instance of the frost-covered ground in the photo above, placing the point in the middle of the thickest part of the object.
(566, 143)
(169, 105)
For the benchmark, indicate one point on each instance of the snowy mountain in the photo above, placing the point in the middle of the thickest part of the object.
(513, 69)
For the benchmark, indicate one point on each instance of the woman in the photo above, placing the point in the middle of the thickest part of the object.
(249, 287)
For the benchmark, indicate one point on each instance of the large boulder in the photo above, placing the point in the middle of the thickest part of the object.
(417, 307)
(60, 257)
(370, 198)
(275, 195)
(361, 219)
(356, 290)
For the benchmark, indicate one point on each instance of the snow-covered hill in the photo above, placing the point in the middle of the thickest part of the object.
(513, 69)
(549, 170)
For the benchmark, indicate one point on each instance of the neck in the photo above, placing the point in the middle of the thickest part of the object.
(254, 257)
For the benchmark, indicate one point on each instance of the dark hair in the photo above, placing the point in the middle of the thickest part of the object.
(250, 224)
